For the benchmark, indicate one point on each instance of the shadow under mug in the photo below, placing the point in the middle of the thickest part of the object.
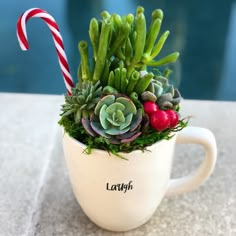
(120, 195)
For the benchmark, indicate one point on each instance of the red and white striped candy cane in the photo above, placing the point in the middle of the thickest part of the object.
(49, 20)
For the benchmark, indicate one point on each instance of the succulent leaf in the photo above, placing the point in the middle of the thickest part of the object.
(87, 126)
(127, 135)
(108, 100)
(120, 116)
(114, 107)
(113, 122)
(115, 131)
(85, 114)
(103, 117)
(132, 138)
(158, 89)
(129, 105)
(164, 97)
(148, 96)
(96, 126)
(176, 98)
(136, 120)
(78, 116)
(83, 100)
(145, 123)
(127, 122)
(109, 90)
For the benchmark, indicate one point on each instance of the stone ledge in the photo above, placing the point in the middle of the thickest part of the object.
(36, 197)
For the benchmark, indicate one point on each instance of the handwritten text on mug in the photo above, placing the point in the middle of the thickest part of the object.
(120, 187)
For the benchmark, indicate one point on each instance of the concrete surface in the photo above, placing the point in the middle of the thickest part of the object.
(36, 197)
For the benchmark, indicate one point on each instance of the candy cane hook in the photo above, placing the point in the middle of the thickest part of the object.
(57, 38)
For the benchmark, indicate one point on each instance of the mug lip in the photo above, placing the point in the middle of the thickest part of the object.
(148, 148)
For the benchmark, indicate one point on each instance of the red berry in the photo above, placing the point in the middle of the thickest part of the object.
(173, 116)
(150, 107)
(159, 120)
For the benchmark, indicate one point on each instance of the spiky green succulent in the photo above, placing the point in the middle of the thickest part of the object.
(83, 100)
(161, 92)
(116, 118)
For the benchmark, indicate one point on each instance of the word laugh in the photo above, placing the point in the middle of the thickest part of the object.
(120, 187)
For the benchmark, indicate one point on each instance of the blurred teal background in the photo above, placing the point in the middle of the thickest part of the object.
(204, 32)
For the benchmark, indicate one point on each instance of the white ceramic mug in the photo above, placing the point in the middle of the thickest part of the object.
(121, 195)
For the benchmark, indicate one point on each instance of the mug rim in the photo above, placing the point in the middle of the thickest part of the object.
(149, 148)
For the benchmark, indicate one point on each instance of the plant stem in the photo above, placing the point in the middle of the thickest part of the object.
(132, 82)
(143, 83)
(94, 36)
(140, 26)
(83, 49)
(102, 49)
(168, 59)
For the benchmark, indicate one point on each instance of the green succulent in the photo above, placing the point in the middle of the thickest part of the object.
(115, 118)
(169, 101)
(161, 92)
(81, 103)
(107, 102)
(127, 39)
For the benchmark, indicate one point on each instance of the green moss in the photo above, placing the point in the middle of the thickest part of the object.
(148, 138)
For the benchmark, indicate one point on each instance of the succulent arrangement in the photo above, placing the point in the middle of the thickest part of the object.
(120, 103)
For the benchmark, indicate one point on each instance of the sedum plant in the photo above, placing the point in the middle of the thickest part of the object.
(83, 100)
(118, 104)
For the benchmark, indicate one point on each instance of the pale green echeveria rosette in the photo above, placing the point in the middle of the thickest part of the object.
(163, 93)
(115, 118)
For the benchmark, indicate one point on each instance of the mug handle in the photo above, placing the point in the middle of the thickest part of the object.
(204, 137)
